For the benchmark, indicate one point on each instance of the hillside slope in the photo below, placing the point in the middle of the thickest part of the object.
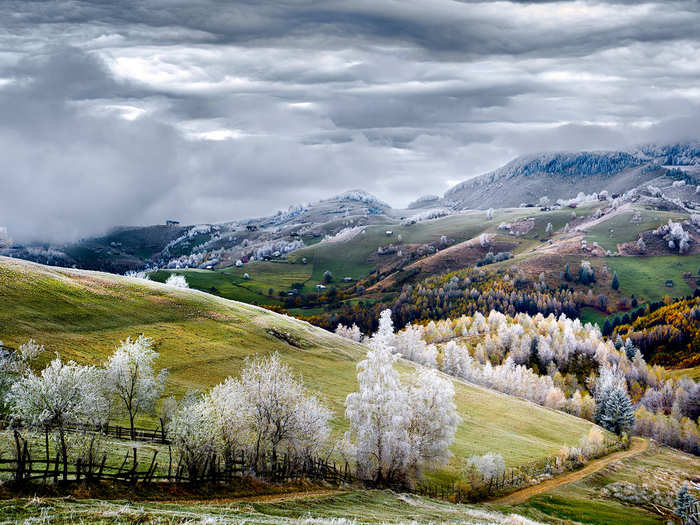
(202, 339)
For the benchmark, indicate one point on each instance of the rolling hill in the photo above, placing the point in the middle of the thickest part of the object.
(202, 339)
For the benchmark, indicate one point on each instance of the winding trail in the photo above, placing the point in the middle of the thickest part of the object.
(638, 446)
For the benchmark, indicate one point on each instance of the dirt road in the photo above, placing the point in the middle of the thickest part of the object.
(638, 446)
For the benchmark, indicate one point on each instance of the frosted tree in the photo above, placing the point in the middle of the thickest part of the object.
(61, 395)
(616, 413)
(178, 281)
(230, 419)
(410, 344)
(353, 333)
(191, 433)
(378, 414)
(548, 230)
(384, 336)
(456, 360)
(434, 418)
(489, 214)
(686, 506)
(641, 245)
(30, 351)
(396, 429)
(278, 407)
(489, 466)
(132, 379)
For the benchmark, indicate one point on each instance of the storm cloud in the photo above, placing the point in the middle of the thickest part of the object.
(132, 112)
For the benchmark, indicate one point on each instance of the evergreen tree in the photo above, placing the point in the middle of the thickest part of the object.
(615, 412)
(607, 328)
(686, 506)
(615, 282)
(619, 343)
(567, 272)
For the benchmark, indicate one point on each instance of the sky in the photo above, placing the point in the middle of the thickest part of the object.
(135, 111)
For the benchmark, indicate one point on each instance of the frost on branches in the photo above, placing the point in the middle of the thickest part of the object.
(396, 428)
(131, 378)
(178, 281)
(60, 395)
(266, 412)
(562, 363)
(353, 333)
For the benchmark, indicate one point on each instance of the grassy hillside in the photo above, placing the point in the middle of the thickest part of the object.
(620, 228)
(202, 339)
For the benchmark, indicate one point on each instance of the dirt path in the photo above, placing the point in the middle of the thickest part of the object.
(638, 446)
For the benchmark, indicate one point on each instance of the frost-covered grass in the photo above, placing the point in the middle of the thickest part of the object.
(354, 508)
(202, 339)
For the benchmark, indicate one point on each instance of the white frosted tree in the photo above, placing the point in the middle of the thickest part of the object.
(178, 281)
(490, 465)
(353, 333)
(456, 360)
(434, 418)
(378, 413)
(131, 378)
(396, 428)
(412, 346)
(191, 433)
(279, 410)
(616, 412)
(489, 214)
(60, 395)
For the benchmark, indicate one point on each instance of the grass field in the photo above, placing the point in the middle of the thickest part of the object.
(202, 339)
(230, 282)
(593, 316)
(645, 277)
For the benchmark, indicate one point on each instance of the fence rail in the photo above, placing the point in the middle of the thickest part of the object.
(25, 468)
(145, 435)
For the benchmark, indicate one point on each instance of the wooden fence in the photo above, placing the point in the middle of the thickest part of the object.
(26, 467)
(146, 435)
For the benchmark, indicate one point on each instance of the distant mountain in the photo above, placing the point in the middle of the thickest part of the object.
(562, 175)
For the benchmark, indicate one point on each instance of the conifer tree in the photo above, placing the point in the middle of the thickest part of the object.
(615, 412)
(686, 506)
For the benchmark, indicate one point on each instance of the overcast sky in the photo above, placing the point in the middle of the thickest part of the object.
(131, 112)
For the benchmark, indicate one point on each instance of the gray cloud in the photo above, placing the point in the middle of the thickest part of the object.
(135, 111)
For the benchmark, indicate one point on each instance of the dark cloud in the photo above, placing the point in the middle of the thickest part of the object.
(129, 112)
